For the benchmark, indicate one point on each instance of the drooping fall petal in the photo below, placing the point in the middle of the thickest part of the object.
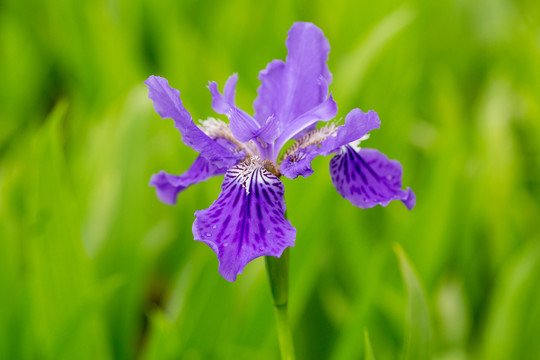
(366, 177)
(247, 220)
(169, 186)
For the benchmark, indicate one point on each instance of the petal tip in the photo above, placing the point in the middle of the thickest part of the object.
(154, 81)
(304, 25)
(410, 199)
(375, 118)
(150, 79)
(166, 192)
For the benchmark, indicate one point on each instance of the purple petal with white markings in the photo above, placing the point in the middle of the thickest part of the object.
(247, 220)
(168, 105)
(367, 178)
(169, 186)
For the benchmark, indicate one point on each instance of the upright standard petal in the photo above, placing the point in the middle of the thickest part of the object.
(247, 220)
(367, 177)
(269, 94)
(290, 89)
(169, 106)
(357, 125)
(169, 186)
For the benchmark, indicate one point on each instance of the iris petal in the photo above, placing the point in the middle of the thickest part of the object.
(291, 89)
(247, 220)
(169, 106)
(242, 125)
(169, 186)
(304, 123)
(229, 91)
(269, 94)
(297, 159)
(299, 163)
(269, 132)
(357, 125)
(367, 178)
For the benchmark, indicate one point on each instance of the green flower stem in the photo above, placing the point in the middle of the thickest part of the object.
(278, 275)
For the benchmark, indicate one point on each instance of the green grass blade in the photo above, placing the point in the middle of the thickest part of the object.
(368, 350)
(418, 333)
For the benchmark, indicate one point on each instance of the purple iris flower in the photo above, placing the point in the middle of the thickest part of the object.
(248, 218)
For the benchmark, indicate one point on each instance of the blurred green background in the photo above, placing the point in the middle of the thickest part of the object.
(93, 266)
